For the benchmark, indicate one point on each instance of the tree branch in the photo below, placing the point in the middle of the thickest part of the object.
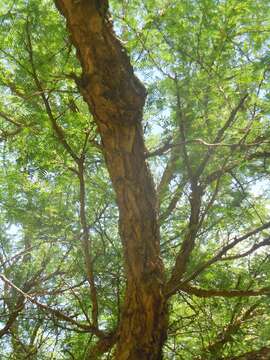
(86, 244)
(203, 293)
(261, 354)
(188, 242)
(221, 132)
(54, 312)
(224, 250)
(57, 129)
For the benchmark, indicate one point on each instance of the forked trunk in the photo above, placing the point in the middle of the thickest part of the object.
(116, 98)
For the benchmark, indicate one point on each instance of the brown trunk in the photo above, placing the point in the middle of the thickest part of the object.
(116, 99)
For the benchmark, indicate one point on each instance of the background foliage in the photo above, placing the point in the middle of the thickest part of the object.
(206, 67)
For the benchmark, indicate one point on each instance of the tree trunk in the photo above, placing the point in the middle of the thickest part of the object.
(116, 98)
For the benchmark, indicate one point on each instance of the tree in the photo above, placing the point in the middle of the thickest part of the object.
(185, 237)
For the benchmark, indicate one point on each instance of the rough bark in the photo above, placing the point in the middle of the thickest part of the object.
(116, 98)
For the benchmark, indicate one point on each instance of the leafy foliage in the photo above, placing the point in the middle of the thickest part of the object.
(206, 67)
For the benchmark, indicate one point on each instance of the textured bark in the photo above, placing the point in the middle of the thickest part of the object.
(116, 98)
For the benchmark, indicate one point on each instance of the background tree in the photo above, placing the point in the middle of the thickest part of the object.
(187, 272)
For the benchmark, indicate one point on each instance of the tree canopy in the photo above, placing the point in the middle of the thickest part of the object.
(204, 65)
